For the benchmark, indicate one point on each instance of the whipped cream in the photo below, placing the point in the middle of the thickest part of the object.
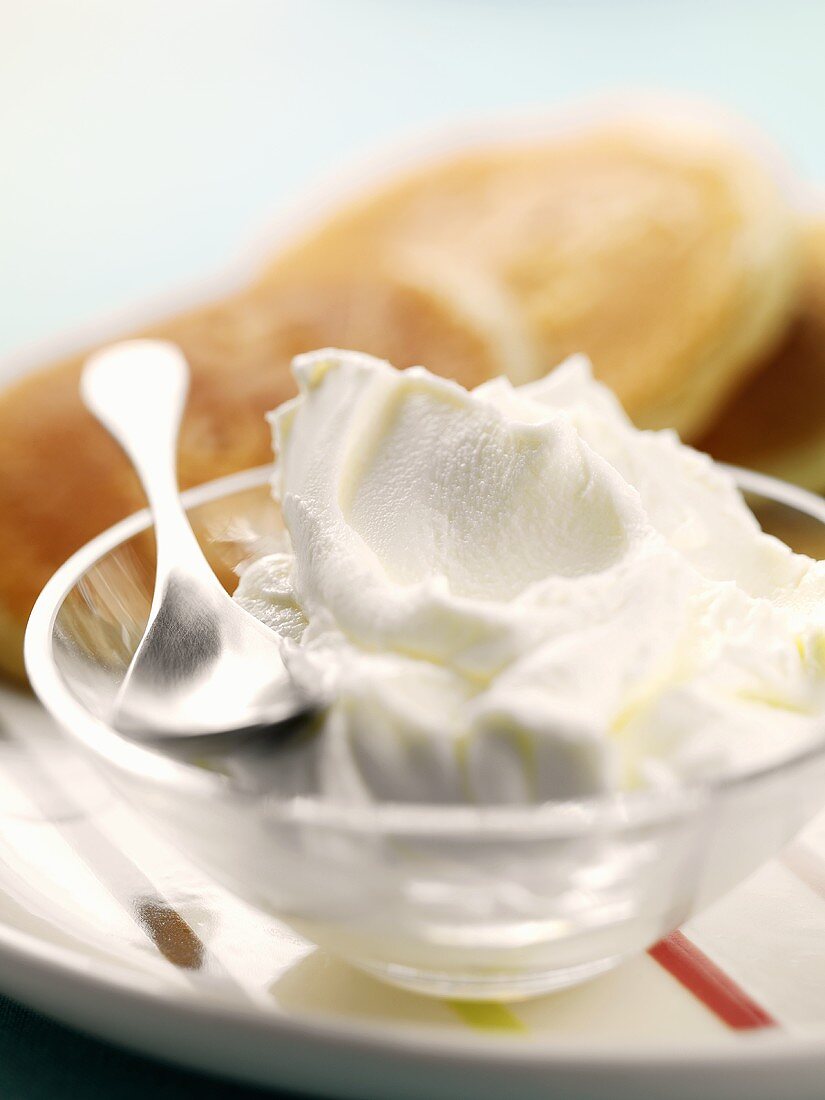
(517, 596)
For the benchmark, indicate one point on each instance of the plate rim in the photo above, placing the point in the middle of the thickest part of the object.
(70, 965)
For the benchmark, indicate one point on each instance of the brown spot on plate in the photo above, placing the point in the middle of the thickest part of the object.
(170, 933)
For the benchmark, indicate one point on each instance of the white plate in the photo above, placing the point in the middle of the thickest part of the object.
(107, 927)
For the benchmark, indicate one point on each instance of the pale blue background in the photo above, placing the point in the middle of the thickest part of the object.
(144, 140)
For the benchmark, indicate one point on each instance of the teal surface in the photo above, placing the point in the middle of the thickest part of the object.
(41, 1060)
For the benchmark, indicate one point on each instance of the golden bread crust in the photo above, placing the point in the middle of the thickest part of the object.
(668, 255)
(776, 423)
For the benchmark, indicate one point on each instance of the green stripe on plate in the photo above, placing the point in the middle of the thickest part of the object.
(487, 1016)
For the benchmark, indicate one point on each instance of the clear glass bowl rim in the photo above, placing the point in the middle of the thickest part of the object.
(564, 819)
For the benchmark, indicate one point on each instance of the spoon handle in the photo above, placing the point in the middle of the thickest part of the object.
(137, 389)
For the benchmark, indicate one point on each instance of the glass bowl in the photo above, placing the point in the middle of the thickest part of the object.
(454, 901)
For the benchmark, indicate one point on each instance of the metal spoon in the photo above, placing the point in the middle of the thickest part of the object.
(204, 668)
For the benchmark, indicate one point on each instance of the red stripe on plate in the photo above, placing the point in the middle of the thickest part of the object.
(710, 985)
